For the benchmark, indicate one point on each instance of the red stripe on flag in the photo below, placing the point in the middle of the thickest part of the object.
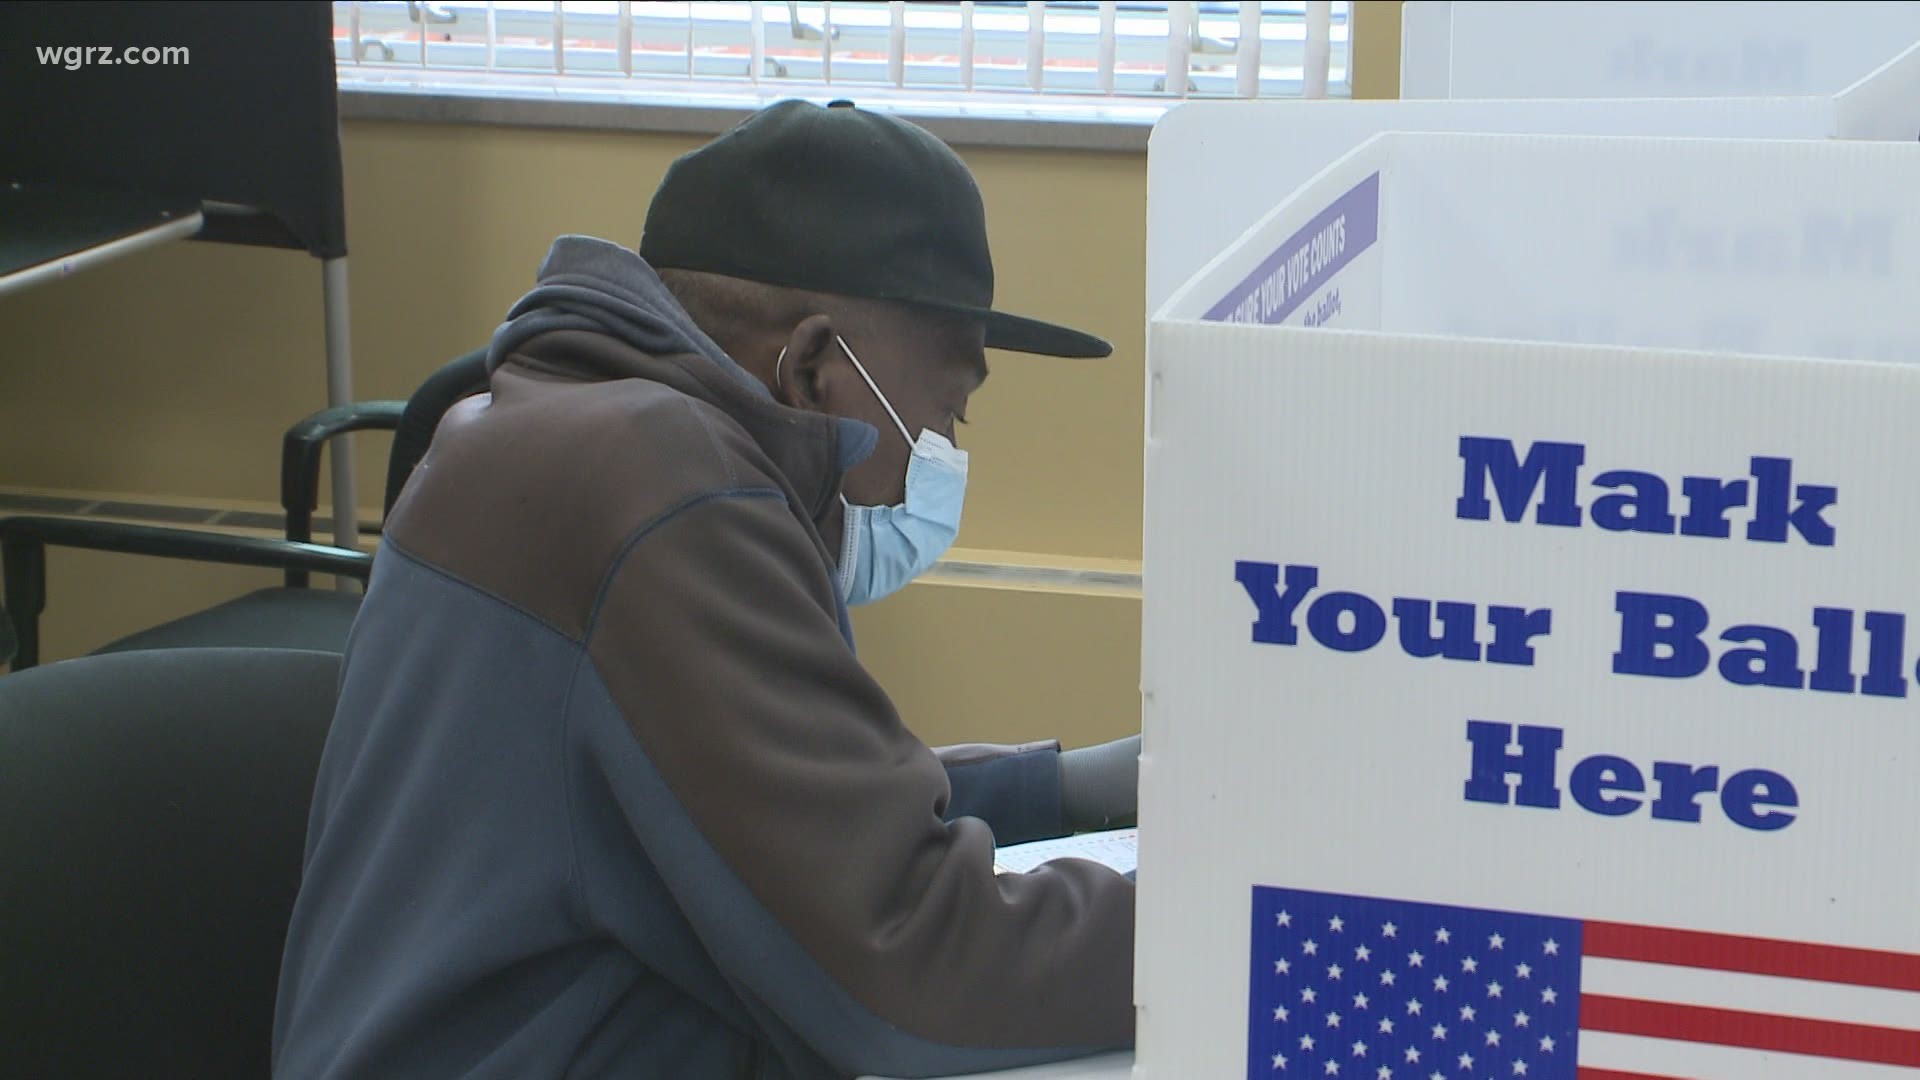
(1585, 1073)
(1755, 956)
(1756, 1031)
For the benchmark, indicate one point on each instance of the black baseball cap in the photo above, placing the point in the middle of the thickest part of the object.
(841, 200)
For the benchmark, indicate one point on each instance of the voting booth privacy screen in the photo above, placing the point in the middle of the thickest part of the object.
(1215, 167)
(1529, 686)
(1647, 48)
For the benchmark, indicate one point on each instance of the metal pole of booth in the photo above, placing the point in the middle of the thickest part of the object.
(346, 527)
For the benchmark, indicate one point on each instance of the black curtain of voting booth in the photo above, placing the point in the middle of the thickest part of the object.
(226, 102)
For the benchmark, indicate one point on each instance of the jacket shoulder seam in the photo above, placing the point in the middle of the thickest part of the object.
(647, 528)
(442, 572)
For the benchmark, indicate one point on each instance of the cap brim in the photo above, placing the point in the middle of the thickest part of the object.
(1017, 333)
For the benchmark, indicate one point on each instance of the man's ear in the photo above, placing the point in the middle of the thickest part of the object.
(797, 373)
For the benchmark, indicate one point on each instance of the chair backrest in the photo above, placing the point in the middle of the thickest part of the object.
(248, 115)
(456, 379)
(153, 810)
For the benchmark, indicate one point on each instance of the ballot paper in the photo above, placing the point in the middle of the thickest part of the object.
(1118, 848)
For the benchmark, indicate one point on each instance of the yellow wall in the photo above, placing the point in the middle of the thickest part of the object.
(170, 376)
(1376, 49)
(175, 371)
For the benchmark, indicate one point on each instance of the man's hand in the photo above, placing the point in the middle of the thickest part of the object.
(1100, 785)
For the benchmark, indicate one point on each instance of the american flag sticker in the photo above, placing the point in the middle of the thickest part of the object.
(1369, 989)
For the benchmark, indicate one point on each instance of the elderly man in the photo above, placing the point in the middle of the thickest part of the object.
(608, 793)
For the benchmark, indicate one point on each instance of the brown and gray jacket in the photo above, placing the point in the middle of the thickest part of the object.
(609, 794)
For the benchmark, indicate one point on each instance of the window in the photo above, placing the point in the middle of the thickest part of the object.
(1094, 62)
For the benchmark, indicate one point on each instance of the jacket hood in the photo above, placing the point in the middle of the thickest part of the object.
(593, 285)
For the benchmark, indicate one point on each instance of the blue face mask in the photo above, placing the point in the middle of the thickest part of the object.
(884, 547)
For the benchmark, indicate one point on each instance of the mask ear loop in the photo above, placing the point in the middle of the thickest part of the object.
(779, 384)
(871, 385)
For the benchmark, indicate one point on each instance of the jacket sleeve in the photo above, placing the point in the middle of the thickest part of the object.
(801, 830)
(1014, 789)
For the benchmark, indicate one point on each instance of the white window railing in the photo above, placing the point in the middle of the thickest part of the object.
(1038, 54)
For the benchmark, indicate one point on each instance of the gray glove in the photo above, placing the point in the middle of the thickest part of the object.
(1100, 785)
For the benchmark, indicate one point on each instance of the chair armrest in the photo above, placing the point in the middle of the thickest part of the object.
(23, 560)
(300, 452)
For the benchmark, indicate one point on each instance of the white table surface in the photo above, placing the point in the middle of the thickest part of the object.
(1103, 1067)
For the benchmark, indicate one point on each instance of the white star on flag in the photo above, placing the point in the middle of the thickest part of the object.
(1414, 959)
(1336, 924)
(1389, 930)
(1283, 919)
(1280, 1012)
(1359, 1001)
(1496, 942)
(1363, 953)
(1442, 935)
(1387, 977)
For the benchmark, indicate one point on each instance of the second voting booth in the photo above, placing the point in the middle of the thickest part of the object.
(1215, 167)
(1528, 681)
(1647, 48)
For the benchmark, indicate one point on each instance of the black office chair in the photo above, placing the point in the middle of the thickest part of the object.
(153, 819)
(291, 616)
(412, 422)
